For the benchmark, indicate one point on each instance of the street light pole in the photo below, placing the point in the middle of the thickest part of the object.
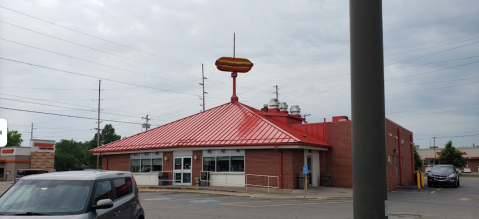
(370, 197)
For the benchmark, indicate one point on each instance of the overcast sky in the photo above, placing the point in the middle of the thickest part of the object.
(149, 55)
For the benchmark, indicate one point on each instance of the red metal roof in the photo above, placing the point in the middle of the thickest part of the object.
(230, 124)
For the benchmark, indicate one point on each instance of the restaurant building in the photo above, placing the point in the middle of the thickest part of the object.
(39, 155)
(236, 145)
(429, 155)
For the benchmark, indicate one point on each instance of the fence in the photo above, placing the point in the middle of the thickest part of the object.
(235, 180)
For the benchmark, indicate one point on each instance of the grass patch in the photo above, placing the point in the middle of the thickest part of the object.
(467, 175)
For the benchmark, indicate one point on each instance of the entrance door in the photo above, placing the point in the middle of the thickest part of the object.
(182, 171)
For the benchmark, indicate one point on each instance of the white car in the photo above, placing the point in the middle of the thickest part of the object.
(467, 170)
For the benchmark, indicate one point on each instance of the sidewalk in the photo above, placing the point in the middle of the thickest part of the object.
(312, 193)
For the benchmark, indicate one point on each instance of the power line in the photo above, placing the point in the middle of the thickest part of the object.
(64, 107)
(431, 54)
(424, 24)
(94, 36)
(89, 76)
(450, 60)
(97, 63)
(456, 136)
(456, 66)
(56, 114)
(98, 50)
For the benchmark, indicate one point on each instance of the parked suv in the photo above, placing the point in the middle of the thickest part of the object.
(443, 175)
(25, 172)
(73, 194)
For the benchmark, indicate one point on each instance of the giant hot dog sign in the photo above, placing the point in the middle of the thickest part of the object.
(231, 64)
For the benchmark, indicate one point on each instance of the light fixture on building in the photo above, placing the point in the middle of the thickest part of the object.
(166, 158)
(390, 134)
(195, 157)
(395, 150)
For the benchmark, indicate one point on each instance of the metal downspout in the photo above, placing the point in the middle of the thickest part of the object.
(280, 167)
(400, 159)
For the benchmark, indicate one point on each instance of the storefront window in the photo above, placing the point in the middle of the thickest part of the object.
(237, 164)
(223, 164)
(209, 164)
(145, 165)
(135, 165)
(157, 164)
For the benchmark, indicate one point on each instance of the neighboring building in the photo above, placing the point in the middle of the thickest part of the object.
(238, 145)
(40, 155)
(428, 155)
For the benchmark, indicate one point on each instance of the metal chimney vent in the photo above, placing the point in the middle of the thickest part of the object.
(283, 106)
(273, 103)
(295, 110)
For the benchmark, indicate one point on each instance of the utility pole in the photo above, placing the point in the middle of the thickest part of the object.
(98, 128)
(276, 93)
(146, 125)
(370, 197)
(31, 133)
(203, 84)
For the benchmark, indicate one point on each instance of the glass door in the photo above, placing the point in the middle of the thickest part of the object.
(182, 170)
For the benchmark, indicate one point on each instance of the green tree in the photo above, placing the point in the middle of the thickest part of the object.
(417, 160)
(14, 138)
(69, 155)
(107, 136)
(450, 155)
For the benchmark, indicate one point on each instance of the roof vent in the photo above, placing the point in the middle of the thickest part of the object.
(273, 103)
(283, 106)
(295, 110)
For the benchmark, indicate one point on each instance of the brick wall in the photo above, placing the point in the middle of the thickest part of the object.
(473, 165)
(338, 160)
(339, 157)
(406, 162)
(197, 166)
(262, 162)
(168, 166)
(42, 160)
(267, 162)
(119, 162)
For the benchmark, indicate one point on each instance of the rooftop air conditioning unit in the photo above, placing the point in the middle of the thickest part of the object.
(283, 106)
(273, 103)
(295, 110)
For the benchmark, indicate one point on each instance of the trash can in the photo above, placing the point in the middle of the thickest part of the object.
(162, 178)
(326, 181)
(205, 178)
(301, 179)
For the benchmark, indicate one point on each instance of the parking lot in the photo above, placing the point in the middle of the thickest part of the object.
(428, 203)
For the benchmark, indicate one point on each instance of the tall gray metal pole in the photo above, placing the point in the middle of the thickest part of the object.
(31, 134)
(367, 107)
(98, 129)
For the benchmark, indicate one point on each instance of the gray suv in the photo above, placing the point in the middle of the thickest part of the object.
(73, 194)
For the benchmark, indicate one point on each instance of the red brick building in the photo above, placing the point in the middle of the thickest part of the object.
(239, 145)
